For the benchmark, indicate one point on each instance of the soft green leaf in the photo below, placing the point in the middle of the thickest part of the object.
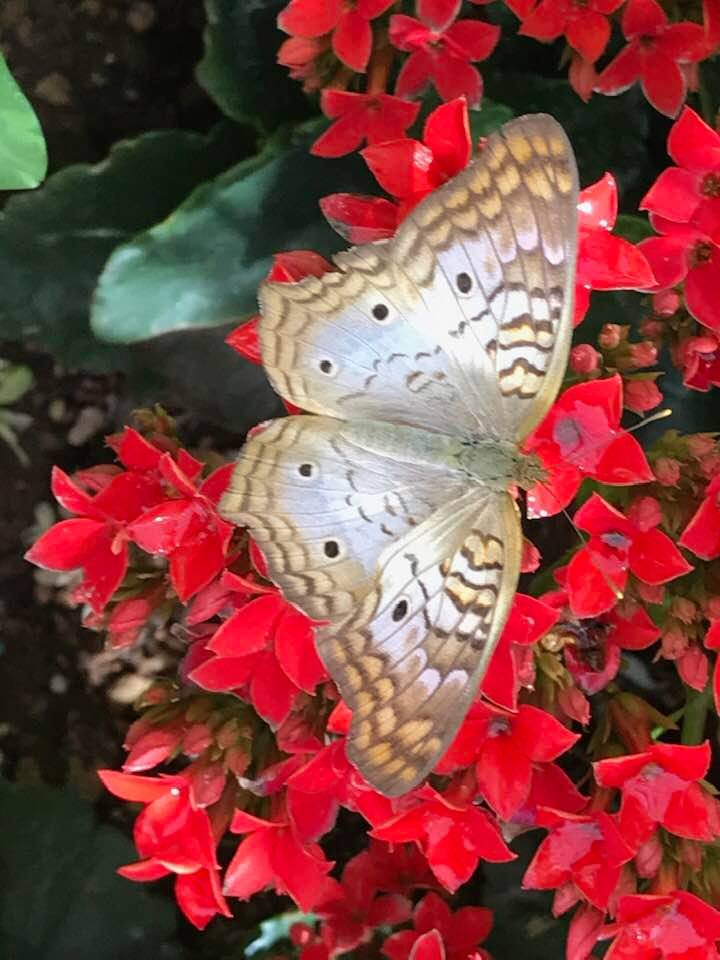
(633, 228)
(54, 242)
(239, 68)
(23, 154)
(202, 266)
(61, 896)
(492, 115)
(15, 381)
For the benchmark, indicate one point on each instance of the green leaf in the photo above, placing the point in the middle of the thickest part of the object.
(277, 929)
(54, 242)
(202, 266)
(61, 896)
(239, 69)
(15, 381)
(23, 154)
(633, 228)
(491, 116)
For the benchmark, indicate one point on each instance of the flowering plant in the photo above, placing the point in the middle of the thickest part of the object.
(239, 762)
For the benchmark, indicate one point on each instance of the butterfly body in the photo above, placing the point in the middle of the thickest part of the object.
(384, 512)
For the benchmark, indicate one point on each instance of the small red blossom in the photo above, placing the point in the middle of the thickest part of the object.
(96, 539)
(699, 360)
(584, 25)
(597, 574)
(271, 855)
(691, 190)
(505, 747)
(360, 117)
(581, 436)
(407, 169)
(187, 529)
(659, 787)
(702, 534)
(587, 850)
(442, 53)
(605, 261)
(266, 649)
(673, 926)
(349, 25)
(172, 836)
(460, 932)
(453, 836)
(357, 908)
(653, 55)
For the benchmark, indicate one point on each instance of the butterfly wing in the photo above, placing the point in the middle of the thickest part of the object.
(323, 507)
(410, 661)
(462, 322)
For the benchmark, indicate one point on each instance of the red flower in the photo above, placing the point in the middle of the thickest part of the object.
(409, 170)
(587, 850)
(504, 748)
(699, 360)
(692, 187)
(441, 53)
(266, 648)
(653, 55)
(712, 642)
(272, 856)
(581, 436)
(96, 539)
(357, 908)
(687, 254)
(359, 117)
(187, 530)
(659, 787)
(674, 926)
(453, 837)
(348, 23)
(605, 262)
(460, 932)
(598, 572)
(702, 534)
(584, 25)
(172, 836)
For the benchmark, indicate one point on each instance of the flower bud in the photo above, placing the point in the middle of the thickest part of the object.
(643, 354)
(584, 359)
(674, 642)
(610, 336)
(649, 857)
(641, 395)
(645, 513)
(633, 720)
(665, 303)
(667, 471)
(683, 609)
(700, 445)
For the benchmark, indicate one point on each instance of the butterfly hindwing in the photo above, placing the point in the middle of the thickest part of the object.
(410, 661)
(460, 323)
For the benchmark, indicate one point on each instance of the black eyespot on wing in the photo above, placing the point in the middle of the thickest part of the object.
(331, 549)
(464, 282)
(305, 469)
(326, 366)
(380, 312)
(400, 610)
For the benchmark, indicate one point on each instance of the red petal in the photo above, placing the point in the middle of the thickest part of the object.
(606, 262)
(352, 40)
(475, 39)
(271, 692)
(245, 340)
(194, 565)
(447, 134)
(295, 650)
(663, 83)
(407, 33)
(438, 14)
(221, 674)
(623, 462)
(310, 18)
(654, 558)
(456, 78)
(402, 167)
(129, 786)
(415, 72)
(644, 17)
(675, 195)
(299, 872)
(136, 452)
(503, 774)
(250, 869)
(312, 815)
(360, 219)
(343, 136)
(66, 545)
(546, 22)
(542, 737)
(668, 258)
(589, 34)
(693, 144)
(622, 72)
(590, 588)
(248, 629)
(428, 946)
(144, 871)
(702, 534)
(632, 631)
(200, 898)
(701, 287)
(598, 205)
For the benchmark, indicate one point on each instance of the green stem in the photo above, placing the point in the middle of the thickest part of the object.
(696, 709)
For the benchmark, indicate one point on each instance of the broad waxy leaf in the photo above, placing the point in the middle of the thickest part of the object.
(23, 154)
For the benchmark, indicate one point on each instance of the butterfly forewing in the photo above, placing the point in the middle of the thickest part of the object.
(459, 326)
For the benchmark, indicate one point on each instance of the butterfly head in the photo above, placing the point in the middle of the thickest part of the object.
(528, 470)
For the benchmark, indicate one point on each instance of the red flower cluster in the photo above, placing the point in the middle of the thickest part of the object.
(256, 731)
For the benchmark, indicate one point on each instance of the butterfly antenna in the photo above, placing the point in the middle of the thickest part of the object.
(660, 415)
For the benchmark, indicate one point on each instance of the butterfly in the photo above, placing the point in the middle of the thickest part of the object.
(424, 361)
